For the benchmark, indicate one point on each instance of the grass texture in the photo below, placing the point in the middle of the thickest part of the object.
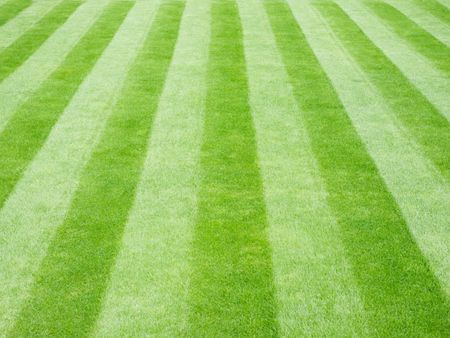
(224, 168)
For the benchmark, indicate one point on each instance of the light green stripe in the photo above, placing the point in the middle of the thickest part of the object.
(431, 24)
(421, 120)
(438, 8)
(29, 127)
(12, 8)
(316, 293)
(15, 89)
(159, 230)
(17, 53)
(41, 199)
(419, 39)
(12, 30)
(70, 284)
(434, 84)
(421, 193)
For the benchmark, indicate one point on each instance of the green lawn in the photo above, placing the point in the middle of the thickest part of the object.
(224, 168)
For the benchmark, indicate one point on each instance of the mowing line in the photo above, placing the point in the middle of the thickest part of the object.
(15, 89)
(437, 8)
(42, 197)
(316, 292)
(434, 84)
(400, 292)
(71, 281)
(420, 192)
(14, 55)
(424, 123)
(231, 291)
(430, 23)
(27, 130)
(423, 42)
(12, 30)
(159, 231)
(11, 9)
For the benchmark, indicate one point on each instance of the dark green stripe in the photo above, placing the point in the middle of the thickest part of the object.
(424, 122)
(425, 43)
(435, 8)
(72, 280)
(11, 8)
(401, 295)
(29, 127)
(231, 291)
(14, 55)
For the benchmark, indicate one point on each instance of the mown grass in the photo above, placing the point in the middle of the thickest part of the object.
(401, 294)
(72, 279)
(426, 125)
(29, 127)
(11, 8)
(435, 8)
(417, 37)
(231, 291)
(15, 54)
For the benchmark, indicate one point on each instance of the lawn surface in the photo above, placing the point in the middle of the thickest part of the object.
(224, 168)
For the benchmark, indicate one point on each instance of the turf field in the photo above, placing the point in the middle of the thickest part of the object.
(225, 168)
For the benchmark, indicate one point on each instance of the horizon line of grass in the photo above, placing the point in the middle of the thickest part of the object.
(15, 54)
(423, 121)
(73, 277)
(11, 9)
(231, 287)
(28, 128)
(400, 293)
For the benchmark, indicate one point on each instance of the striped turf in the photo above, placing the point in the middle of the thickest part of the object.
(14, 55)
(419, 39)
(159, 230)
(11, 9)
(24, 21)
(425, 124)
(17, 88)
(27, 130)
(433, 83)
(231, 289)
(424, 19)
(73, 276)
(43, 195)
(400, 293)
(229, 168)
(316, 292)
(436, 8)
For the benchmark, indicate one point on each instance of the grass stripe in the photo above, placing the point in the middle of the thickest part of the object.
(424, 123)
(434, 84)
(419, 39)
(13, 56)
(422, 195)
(159, 231)
(72, 279)
(316, 292)
(436, 8)
(26, 19)
(401, 294)
(27, 130)
(15, 89)
(42, 197)
(428, 22)
(11, 9)
(231, 291)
